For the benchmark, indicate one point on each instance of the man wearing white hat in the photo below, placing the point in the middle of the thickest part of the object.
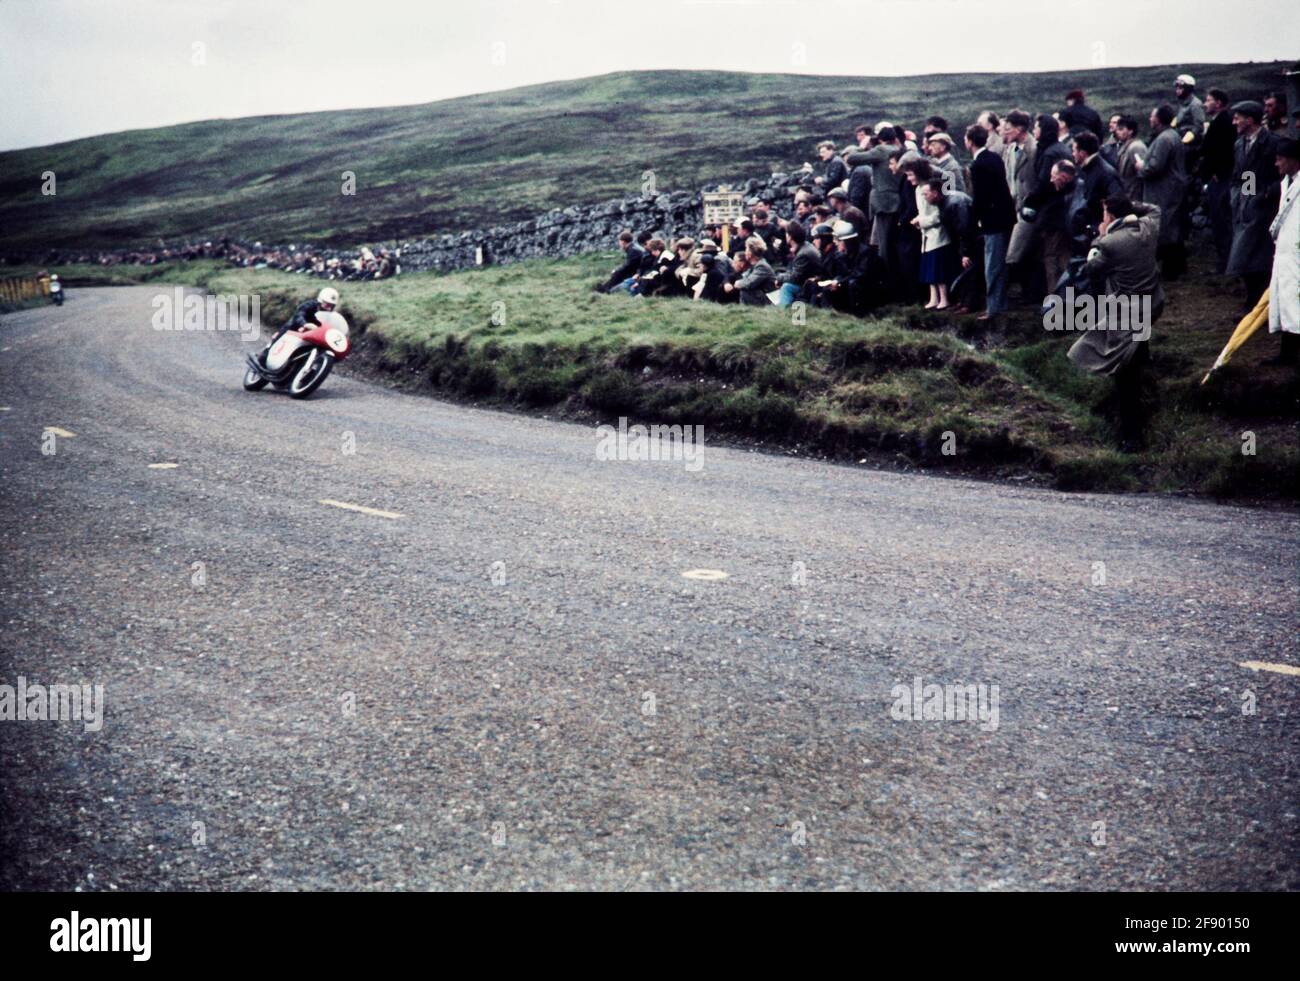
(1191, 113)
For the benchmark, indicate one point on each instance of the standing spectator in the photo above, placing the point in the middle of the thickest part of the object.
(1110, 148)
(1099, 182)
(860, 188)
(934, 124)
(938, 146)
(1189, 120)
(990, 121)
(885, 188)
(836, 170)
(938, 254)
(1276, 119)
(1046, 205)
(994, 215)
(1131, 149)
(1164, 182)
(1079, 116)
(1019, 148)
(1122, 264)
(905, 261)
(1284, 287)
(1215, 172)
(1252, 199)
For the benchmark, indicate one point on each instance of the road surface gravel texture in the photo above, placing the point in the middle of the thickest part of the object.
(513, 685)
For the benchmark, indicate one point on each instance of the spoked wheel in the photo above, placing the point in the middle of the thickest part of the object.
(253, 381)
(313, 371)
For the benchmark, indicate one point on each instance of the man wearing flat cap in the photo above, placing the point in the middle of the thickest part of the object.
(1253, 198)
(938, 147)
(1284, 286)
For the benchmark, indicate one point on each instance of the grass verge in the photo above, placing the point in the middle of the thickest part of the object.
(903, 388)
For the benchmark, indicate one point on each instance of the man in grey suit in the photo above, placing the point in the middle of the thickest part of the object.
(1164, 182)
(885, 197)
(1018, 149)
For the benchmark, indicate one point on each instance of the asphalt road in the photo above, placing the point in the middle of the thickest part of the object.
(512, 685)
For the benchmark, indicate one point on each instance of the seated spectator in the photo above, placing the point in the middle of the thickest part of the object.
(856, 283)
(757, 278)
(712, 278)
(839, 201)
(647, 275)
(805, 265)
(622, 275)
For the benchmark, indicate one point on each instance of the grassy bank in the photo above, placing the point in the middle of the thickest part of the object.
(886, 390)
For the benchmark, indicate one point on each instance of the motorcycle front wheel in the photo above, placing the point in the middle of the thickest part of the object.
(309, 377)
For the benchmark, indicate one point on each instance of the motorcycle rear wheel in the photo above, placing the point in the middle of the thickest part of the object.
(253, 381)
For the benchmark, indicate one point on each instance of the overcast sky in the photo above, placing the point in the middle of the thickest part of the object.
(72, 68)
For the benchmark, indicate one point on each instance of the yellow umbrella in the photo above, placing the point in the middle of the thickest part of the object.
(1249, 324)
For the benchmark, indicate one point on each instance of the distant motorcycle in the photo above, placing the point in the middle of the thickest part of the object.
(301, 360)
(56, 292)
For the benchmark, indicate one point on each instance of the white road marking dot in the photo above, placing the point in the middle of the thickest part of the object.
(1267, 666)
(163, 466)
(361, 509)
(708, 575)
(59, 432)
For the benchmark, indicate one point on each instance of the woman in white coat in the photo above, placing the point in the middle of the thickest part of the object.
(1284, 286)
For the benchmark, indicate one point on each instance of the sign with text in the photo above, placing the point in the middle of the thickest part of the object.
(723, 207)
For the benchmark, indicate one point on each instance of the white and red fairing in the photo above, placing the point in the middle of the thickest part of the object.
(330, 333)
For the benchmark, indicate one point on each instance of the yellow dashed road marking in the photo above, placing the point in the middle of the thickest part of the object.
(163, 466)
(1290, 669)
(361, 509)
(63, 433)
(708, 575)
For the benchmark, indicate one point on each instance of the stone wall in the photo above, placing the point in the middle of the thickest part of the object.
(570, 231)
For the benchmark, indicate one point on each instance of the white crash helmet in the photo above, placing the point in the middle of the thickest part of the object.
(328, 295)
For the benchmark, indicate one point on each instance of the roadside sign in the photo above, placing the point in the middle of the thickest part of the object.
(723, 207)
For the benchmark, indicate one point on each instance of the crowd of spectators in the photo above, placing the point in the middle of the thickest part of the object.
(1053, 202)
(363, 263)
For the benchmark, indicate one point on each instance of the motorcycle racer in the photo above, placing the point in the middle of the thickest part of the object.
(304, 316)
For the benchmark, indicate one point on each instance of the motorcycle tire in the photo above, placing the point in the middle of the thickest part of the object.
(310, 376)
(253, 381)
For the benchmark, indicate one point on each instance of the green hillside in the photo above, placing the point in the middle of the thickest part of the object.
(498, 157)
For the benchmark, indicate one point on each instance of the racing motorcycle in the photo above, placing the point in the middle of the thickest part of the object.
(300, 360)
(56, 291)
